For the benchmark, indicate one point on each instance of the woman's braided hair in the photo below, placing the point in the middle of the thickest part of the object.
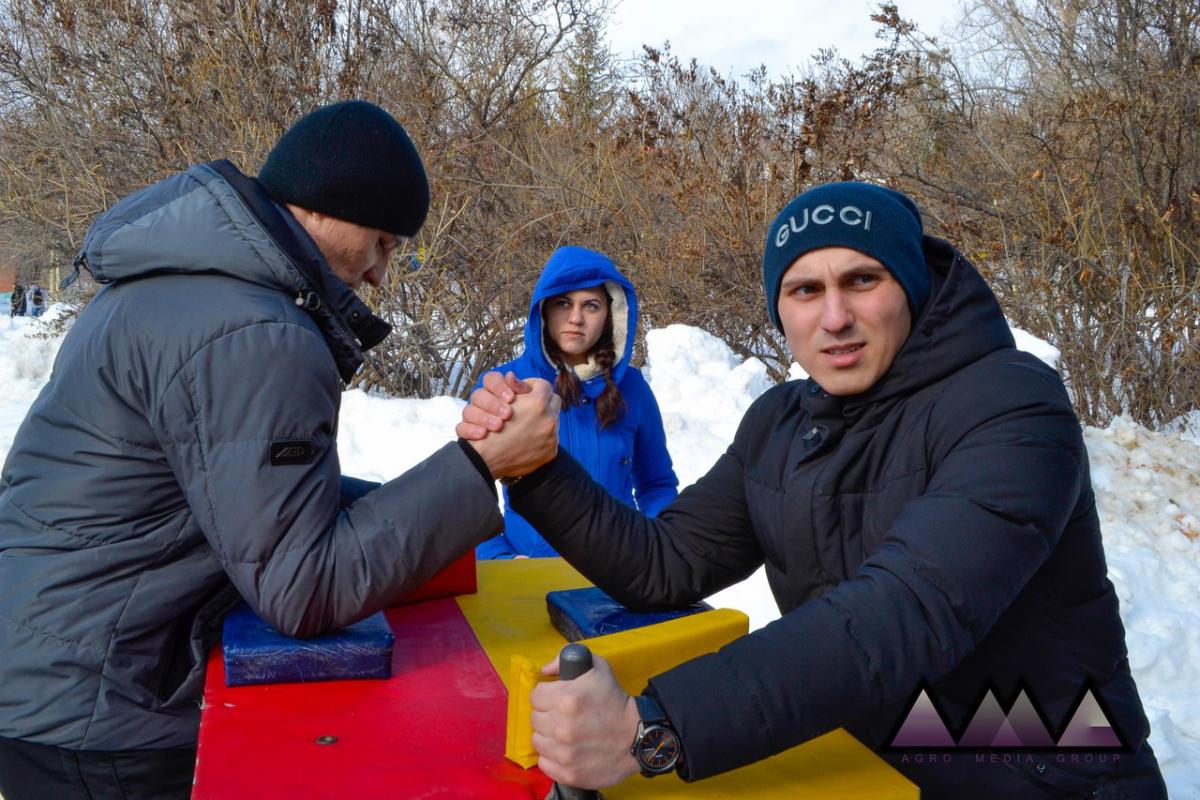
(610, 405)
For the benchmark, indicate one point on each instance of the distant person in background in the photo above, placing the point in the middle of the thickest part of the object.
(579, 336)
(16, 302)
(35, 301)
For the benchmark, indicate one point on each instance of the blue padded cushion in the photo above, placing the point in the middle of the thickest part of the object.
(257, 653)
(584, 613)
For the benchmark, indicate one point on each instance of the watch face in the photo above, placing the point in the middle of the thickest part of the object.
(658, 749)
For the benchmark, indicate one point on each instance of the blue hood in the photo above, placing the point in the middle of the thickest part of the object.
(570, 268)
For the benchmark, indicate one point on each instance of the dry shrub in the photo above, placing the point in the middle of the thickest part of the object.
(1057, 144)
(102, 97)
(1061, 147)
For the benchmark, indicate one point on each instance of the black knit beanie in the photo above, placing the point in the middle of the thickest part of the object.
(352, 161)
(871, 219)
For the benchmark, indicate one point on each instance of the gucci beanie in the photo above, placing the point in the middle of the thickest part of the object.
(874, 220)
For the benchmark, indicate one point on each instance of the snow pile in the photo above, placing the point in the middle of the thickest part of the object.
(1046, 352)
(380, 437)
(703, 390)
(1148, 497)
(26, 356)
(1187, 426)
(1147, 488)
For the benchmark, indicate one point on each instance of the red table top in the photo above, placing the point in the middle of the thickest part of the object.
(435, 729)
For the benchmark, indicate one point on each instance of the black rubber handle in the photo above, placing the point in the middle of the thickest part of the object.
(574, 660)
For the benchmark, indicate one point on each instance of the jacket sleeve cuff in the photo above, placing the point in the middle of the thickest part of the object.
(529, 483)
(699, 698)
(479, 463)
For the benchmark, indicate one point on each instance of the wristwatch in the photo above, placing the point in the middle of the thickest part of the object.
(656, 745)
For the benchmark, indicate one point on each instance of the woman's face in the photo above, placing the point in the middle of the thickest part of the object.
(575, 321)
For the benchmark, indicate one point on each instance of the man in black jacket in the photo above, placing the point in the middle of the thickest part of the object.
(16, 302)
(924, 509)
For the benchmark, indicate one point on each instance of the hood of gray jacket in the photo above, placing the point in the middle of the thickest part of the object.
(213, 219)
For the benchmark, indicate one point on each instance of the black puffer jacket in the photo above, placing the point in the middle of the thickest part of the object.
(938, 529)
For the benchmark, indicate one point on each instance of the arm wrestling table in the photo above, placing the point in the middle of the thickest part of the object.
(436, 728)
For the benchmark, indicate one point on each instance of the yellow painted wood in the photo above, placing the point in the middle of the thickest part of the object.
(835, 765)
(509, 616)
(508, 611)
(638, 655)
(635, 656)
(518, 735)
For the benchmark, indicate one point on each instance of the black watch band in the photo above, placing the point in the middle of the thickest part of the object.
(656, 746)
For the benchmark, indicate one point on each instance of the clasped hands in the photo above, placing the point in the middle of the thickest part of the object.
(582, 729)
(512, 424)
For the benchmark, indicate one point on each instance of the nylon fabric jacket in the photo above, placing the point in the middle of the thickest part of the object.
(938, 530)
(184, 454)
(629, 458)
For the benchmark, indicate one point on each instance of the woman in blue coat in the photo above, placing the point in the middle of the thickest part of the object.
(579, 335)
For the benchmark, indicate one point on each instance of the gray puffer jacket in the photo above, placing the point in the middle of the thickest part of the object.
(184, 453)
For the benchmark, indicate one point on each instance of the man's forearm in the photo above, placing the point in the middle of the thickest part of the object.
(383, 545)
(687, 553)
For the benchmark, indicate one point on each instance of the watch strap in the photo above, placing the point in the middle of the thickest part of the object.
(653, 720)
(649, 710)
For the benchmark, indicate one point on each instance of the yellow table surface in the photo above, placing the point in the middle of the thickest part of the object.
(509, 616)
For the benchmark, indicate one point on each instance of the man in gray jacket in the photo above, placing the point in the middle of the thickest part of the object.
(183, 455)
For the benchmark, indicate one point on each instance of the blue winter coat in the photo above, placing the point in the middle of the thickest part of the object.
(629, 458)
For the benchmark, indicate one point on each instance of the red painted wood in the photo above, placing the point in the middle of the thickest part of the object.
(435, 729)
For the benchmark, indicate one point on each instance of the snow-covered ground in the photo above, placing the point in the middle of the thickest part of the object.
(1147, 488)
(26, 355)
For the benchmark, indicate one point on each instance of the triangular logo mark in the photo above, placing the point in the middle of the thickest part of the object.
(1006, 736)
(985, 723)
(923, 727)
(1028, 724)
(1089, 727)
